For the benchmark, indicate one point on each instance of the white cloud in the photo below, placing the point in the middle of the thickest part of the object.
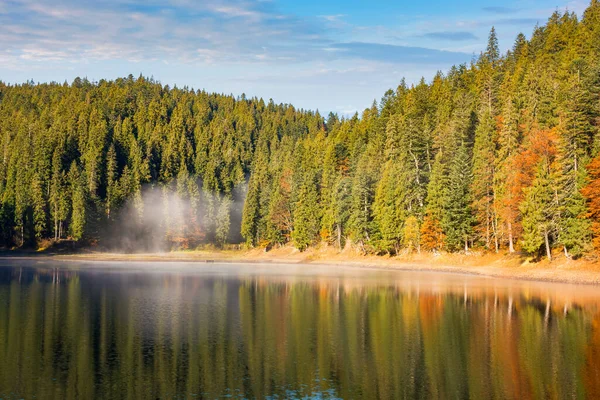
(247, 46)
(332, 18)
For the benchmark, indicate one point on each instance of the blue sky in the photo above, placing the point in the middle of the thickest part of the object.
(329, 55)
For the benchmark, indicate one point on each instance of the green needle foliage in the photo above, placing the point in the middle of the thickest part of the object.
(500, 154)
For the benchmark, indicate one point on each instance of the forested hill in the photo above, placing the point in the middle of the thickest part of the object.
(500, 154)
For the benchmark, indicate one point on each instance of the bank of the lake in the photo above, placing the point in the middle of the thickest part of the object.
(493, 265)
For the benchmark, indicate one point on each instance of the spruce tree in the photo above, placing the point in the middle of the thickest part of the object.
(306, 214)
(411, 235)
(432, 235)
(458, 219)
(79, 202)
(483, 180)
(539, 210)
(362, 194)
(388, 207)
(223, 220)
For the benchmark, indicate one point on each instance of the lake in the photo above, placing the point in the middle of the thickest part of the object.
(112, 330)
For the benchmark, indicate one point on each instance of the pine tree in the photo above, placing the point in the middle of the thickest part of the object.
(576, 132)
(223, 220)
(251, 214)
(492, 52)
(361, 217)
(591, 192)
(79, 202)
(455, 157)
(458, 220)
(39, 207)
(306, 215)
(341, 208)
(432, 235)
(574, 228)
(411, 235)
(539, 208)
(112, 187)
(279, 218)
(253, 225)
(388, 207)
(93, 146)
(505, 193)
(483, 180)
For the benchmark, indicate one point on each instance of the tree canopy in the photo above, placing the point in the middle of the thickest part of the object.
(501, 153)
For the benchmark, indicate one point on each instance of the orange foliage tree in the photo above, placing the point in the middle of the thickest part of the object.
(592, 193)
(432, 236)
(522, 166)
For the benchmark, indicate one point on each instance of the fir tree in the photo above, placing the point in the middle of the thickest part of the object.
(79, 202)
(411, 234)
(306, 215)
(458, 219)
(483, 180)
(538, 208)
(223, 220)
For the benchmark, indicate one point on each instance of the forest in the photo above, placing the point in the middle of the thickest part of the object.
(501, 154)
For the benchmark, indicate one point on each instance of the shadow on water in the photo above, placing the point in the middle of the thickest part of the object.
(283, 332)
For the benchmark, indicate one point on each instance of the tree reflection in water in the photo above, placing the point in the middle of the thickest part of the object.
(102, 334)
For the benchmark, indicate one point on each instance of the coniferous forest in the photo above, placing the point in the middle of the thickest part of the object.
(501, 154)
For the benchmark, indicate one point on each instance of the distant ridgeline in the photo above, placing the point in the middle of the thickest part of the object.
(500, 154)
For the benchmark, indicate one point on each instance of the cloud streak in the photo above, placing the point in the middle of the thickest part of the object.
(451, 36)
(183, 31)
(398, 54)
(500, 10)
(232, 31)
(308, 53)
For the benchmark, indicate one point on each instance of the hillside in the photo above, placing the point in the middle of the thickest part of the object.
(498, 154)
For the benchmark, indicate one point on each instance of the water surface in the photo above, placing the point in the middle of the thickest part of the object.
(181, 330)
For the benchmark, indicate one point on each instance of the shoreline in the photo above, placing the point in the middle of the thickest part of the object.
(494, 266)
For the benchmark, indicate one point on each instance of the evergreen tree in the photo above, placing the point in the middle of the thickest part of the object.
(79, 202)
(306, 215)
(411, 235)
(223, 220)
(432, 235)
(505, 196)
(458, 219)
(361, 217)
(591, 192)
(388, 207)
(112, 184)
(538, 208)
(483, 181)
(440, 165)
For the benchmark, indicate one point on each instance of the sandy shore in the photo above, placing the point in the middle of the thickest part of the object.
(500, 266)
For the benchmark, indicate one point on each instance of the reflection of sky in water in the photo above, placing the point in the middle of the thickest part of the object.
(124, 330)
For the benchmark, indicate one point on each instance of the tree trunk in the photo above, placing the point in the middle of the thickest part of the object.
(547, 242)
(487, 225)
(511, 247)
(495, 231)
(339, 236)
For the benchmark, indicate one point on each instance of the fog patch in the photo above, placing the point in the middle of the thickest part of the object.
(161, 218)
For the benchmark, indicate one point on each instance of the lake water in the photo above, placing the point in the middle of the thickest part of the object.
(180, 330)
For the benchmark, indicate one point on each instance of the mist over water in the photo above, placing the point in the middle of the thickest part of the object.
(164, 218)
